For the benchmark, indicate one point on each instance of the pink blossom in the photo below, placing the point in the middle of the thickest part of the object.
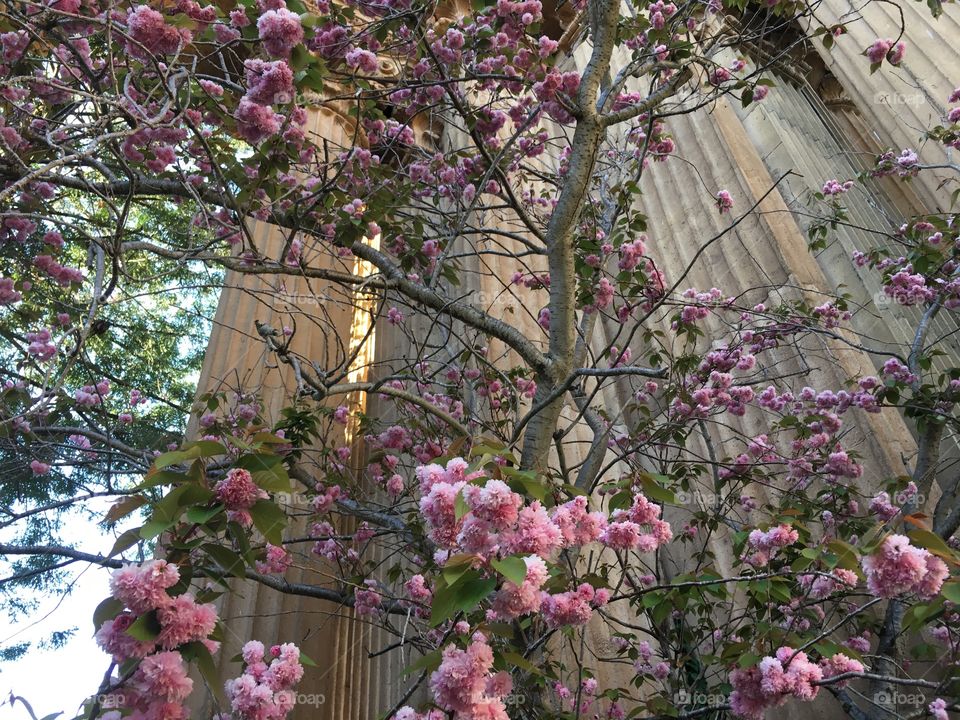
(494, 503)
(39, 468)
(8, 295)
(765, 544)
(878, 51)
(148, 29)
(268, 83)
(461, 684)
(724, 201)
(535, 532)
(362, 60)
(256, 122)
(569, 608)
(578, 526)
(840, 664)
(280, 31)
(277, 560)
(264, 692)
(112, 637)
(938, 709)
(367, 599)
(897, 567)
(162, 678)
(14, 44)
(772, 682)
(237, 491)
(183, 620)
(144, 588)
(513, 601)
(437, 506)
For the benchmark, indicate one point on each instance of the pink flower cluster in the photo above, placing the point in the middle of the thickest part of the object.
(239, 493)
(821, 586)
(513, 601)
(151, 35)
(724, 201)
(277, 560)
(577, 525)
(897, 567)
(160, 684)
(280, 30)
(639, 528)
(268, 83)
(886, 49)
(264, 692)
(572, 608)
(62, 274)
(465, 686)
(764, 545)
(157, 689)
(772, 681)
(840, 664)
(8, 293)
(367, 599)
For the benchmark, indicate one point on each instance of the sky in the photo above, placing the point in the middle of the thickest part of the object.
(60, 680)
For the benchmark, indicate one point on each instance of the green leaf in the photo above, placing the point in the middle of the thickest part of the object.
(513, 568)
(162, 477)
(444, 605)
(620, 501)
(460, 507)
(108, 609)
(934, 543)
(124, 507)
(519, 661)
(525, 482)
(429, 662)
(228, 560)
(208, 448)
(198, 653)
(155, 528)
(655, 491)
(176, 457)
(127, 539)
(275, 480)
(270, 520)
(456, 567)
(200, 515)
(465, 596)
(145, 628)
(299, 58)
(846, 554)
(307, 660)
(258, 462)
(951, 591)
